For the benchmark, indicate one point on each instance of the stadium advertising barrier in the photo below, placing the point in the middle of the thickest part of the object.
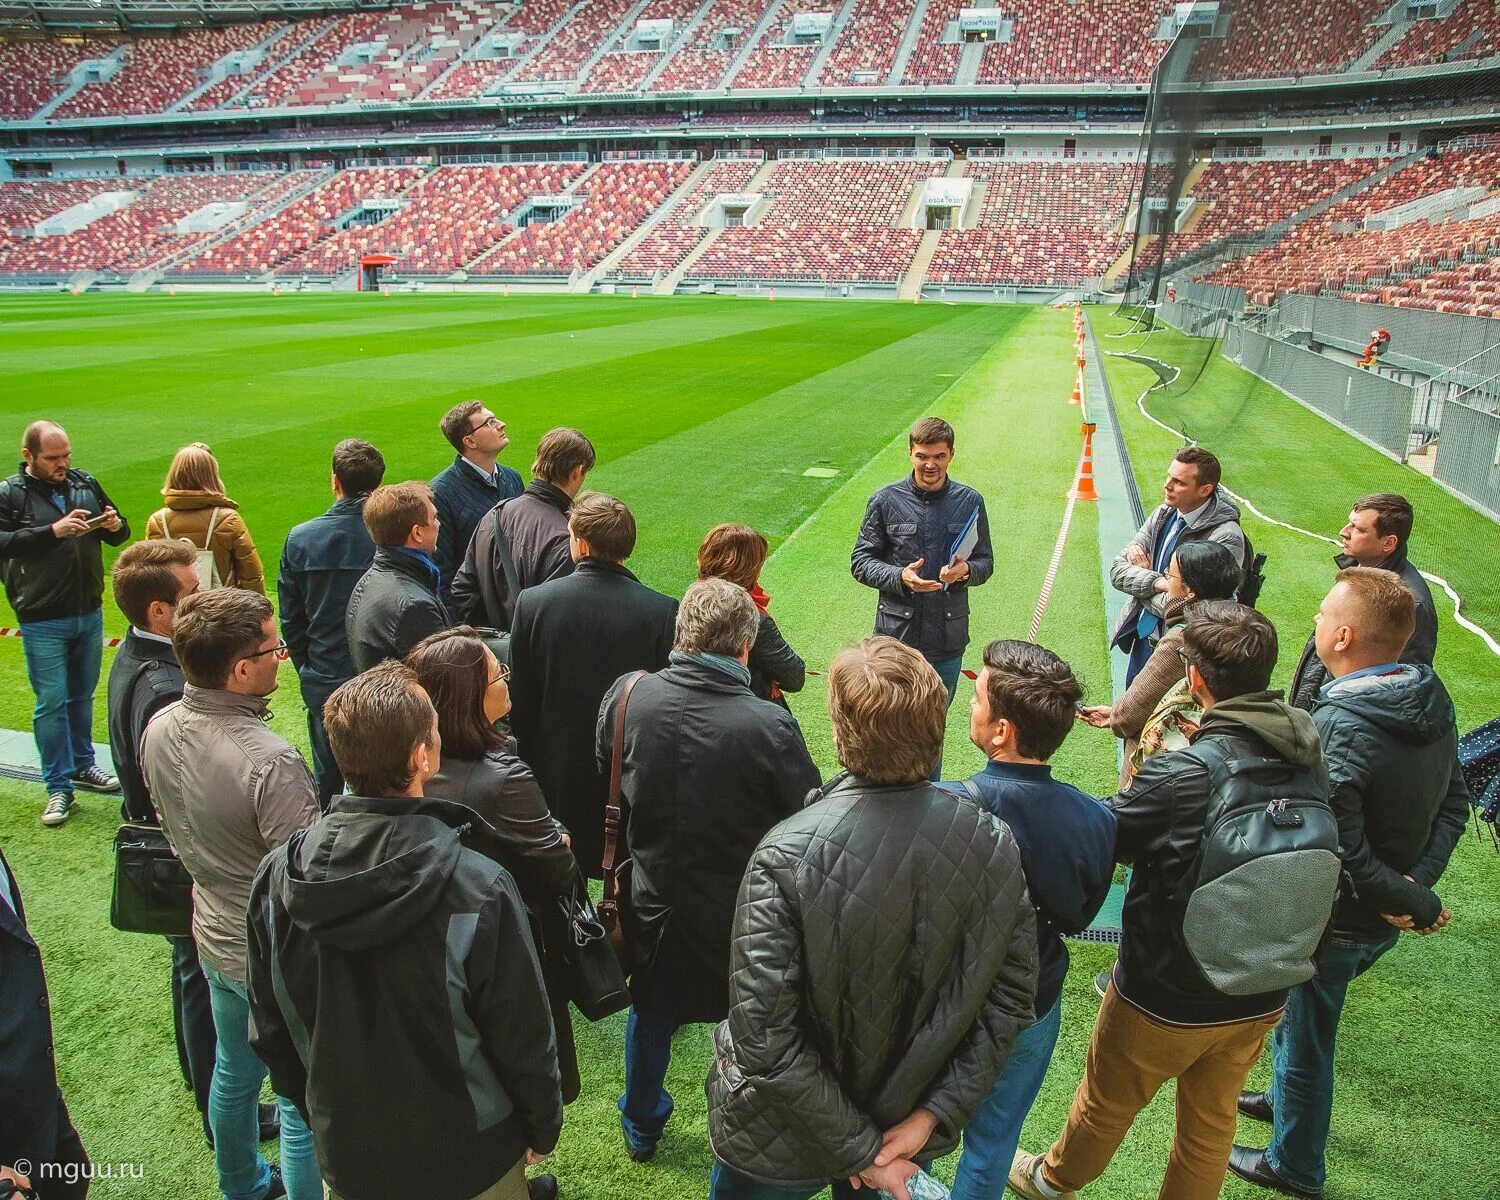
(1468, 456)
(1374, 409)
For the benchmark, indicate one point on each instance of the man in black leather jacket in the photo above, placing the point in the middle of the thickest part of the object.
(1376, 535)
(396, 603)
(52, 521)
(1391, 742)
(883, 959)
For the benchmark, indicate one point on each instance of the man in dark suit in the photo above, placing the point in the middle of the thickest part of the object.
(571, 639)
(35, 1128)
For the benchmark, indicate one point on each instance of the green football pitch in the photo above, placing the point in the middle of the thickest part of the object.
(705, 410)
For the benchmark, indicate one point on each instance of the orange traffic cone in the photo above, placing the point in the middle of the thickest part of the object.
(171, 291)
(385, 291)
(773, 294)
(633, 293)
(1077, 396)
(505, 294)
(1084, 490)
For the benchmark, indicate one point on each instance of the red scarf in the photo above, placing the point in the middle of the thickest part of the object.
(763, 602)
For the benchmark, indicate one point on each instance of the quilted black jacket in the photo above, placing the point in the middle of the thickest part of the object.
(883, 959)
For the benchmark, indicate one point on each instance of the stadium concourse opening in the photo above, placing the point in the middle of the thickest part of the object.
(1266, 228)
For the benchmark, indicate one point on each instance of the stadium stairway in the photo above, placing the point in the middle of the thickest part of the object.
(969, 60)
(1399, 24)
(80, 80)
(916, 272)
(184, 103)
(908, 44)
(514, 233)
(767, 21)
(684, 37)
(667, 284)
(267, 68)
(255, 216)
(586, 281)
(830, 41)
(609, 41)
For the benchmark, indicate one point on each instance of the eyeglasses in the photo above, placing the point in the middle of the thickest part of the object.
(485, 424)
(503, 677)
(1183, 655)
(280, 650)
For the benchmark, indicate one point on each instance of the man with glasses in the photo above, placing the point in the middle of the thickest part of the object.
(229, 791)
(471, 485)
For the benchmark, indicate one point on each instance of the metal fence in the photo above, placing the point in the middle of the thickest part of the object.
(1468, 456)
(1428, 341)
(1376, 409)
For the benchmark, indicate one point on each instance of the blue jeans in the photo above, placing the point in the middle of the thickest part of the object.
(1301, 1092)
(646, 1105)
(324, 767)
(62, 663)
(947, 669)
(994, 1131)
(233, 1101)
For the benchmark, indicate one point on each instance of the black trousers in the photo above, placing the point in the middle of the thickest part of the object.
(192, 1022)
(65, 1176)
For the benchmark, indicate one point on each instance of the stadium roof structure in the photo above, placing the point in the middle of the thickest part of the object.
(41, 18)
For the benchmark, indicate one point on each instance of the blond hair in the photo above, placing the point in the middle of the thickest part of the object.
(194, 469)
(888, 708)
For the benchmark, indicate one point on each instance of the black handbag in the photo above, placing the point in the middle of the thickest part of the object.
(153, 892)
(596, 981)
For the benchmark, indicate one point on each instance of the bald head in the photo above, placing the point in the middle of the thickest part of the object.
(45, 449)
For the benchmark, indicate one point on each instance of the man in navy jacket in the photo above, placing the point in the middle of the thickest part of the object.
(320, 564)
(1021, 712)
(35, 1128)
(469, 486)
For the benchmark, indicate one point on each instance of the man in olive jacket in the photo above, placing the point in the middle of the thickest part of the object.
(883, 961)
(1391, 743)
(708, 768)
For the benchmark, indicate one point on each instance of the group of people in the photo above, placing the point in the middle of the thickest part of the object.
(882, 954)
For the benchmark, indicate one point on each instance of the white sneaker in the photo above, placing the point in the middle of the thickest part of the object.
(96, 779)
(59, 808)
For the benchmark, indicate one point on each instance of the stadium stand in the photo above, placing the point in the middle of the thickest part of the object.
(774, 62)
(1471, 288)
(1245, 197)
(625, 70)
(678, 234)
(1087, 41)
(1039, 223)
(25, 204)
(617, 198)
(531, 23)
(452, 217)
(563, 55)
(124, 236)
(1288, 38)
(826, 220)
(702, 61)
(159, 71)
(304, 223)
(866, 49)
(1333, 249)
(33, 73)
(1471, 30)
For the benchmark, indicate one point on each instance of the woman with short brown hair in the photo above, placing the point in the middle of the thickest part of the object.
(737, 553)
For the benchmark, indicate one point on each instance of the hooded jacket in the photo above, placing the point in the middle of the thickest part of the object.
(46, 576)
(883, 958)
(1391, 744)
(1421, 647)
(1221, 523)
(396, 998)
(1160, 823)
(190, 514)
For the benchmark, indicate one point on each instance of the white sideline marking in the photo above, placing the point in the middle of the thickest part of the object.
(1478, 630)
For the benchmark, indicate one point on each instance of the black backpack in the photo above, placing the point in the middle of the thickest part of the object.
(1266, 876)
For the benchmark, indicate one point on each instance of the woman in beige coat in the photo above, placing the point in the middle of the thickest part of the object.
(198, 511)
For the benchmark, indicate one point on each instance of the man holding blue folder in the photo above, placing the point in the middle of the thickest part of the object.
(924, 542)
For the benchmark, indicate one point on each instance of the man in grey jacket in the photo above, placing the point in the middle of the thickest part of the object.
(229, 791)
(883, 959)
(1194, 509)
